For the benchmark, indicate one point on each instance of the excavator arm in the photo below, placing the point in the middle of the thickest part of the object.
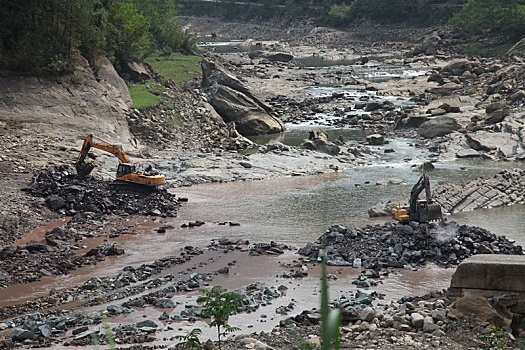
(83, 168)
(419, 210)
(423, 210)
(422, 184)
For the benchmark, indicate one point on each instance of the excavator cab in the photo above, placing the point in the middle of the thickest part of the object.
(124, 169)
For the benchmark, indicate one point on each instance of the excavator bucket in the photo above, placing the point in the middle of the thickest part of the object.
(84, 169)
(434, 212)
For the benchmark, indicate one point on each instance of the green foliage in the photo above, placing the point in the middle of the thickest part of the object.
(334, 12)
(109, 334)
(178, 68)
(189, 341)
(496, 339)
(172, 38)
(339, 13)
(504, 16)
(330, 319)
(129, 32)
(45, 35)
(219, 304)
(415, 12)
(142, 97)
(42, 35)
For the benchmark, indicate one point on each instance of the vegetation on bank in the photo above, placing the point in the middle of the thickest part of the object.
(505, 17)
(503, 20)
(142, 96)
(45, 35)
(178, 68)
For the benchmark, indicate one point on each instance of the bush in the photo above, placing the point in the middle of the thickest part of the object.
(503, 16)
(413, 12)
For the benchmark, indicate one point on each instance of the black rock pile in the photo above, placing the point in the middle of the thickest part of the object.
(398, 245)
(66, 193)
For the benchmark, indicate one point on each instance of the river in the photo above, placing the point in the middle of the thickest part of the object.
(294, 211)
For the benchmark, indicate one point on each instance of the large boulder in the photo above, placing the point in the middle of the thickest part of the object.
(235, 103)
(375, 139)
(136, 70)
(508, 145)
(413, 121)
(496, 112)
(439, 126)
(445, 89)
(384, 208)
(497, 116)
(235, 106)
(430, 45)
(271, 56)
(480, 308)
(321, 145)
(458, 67)
(317, 134)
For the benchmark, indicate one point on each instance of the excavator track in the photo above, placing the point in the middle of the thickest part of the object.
(131, 187)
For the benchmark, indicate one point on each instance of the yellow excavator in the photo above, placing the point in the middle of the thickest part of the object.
(419, 210)
(127, 172)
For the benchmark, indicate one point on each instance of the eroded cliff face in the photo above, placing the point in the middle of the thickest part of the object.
(89, 100)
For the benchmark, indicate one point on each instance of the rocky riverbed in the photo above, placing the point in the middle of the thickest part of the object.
(459, 107)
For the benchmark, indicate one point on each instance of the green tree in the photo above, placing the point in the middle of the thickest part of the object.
(219, 304)
(129, 35)
(330, 319)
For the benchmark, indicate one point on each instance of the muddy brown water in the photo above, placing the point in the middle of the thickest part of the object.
(291, 210)
(286, 210)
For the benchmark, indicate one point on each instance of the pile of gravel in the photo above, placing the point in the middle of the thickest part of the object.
(399, 245)
(67, 194)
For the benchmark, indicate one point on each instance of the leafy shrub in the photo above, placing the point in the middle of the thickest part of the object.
(189, 341)
(502, 16)
(219, 304)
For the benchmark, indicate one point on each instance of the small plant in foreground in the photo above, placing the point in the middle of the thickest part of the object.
(190, 340)
(496, 339)
(330, 319)
(219, 304)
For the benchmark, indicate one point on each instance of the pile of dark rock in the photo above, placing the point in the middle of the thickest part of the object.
(67, 194)
(29, 263)
(411, 245)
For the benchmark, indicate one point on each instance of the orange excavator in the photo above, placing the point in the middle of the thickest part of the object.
(127, 172)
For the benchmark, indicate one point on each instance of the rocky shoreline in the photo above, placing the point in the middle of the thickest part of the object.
(427, 320)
